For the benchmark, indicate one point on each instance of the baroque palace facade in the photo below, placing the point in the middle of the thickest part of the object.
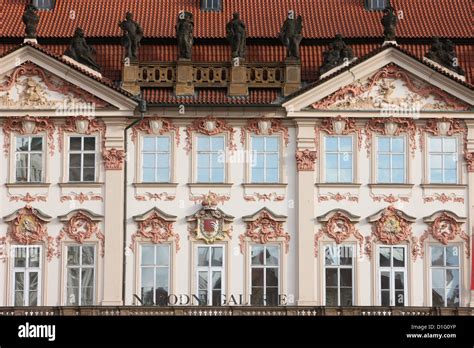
(193, 158)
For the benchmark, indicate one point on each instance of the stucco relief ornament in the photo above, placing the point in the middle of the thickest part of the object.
(210, 224)
(113, 159)
(82, 125)
(392, 226)
(305, 160)
(80, 225)
(444, 226)
(28, 125)
(264, 126)
(210, 126)
(443, 126)
(28, 226)
(263, 227)
(155, 226)
(155, 125)
(339, 225)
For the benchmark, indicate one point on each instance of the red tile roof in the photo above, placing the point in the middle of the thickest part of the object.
(321, 18)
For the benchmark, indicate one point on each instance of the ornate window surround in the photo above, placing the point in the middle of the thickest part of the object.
(281, 239)
(154, 125)
(265, 127)
(338, 126)
(93, 236)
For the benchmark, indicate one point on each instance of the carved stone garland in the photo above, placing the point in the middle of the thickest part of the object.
(394, 72)
(79, 228)
(82, 125)
(28, 125)
(28, 226)
(210, 126)
(113, 158)
(444, 229)
(264, 229)
(339, 227)
(340, 125)
(264, 126)
(155, 229)
(305, 160)
(390, 126)
(155, 125)
(391, 227)
(54, 84)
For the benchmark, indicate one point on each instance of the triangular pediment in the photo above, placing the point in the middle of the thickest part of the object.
(389, 80)
(32, 79)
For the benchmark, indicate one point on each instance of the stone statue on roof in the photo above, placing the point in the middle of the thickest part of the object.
(184, 33)
(290, 35)
(132, 35)
(337, 54)
(389, 22)
(236, 35)
(31, 19)
(444, 54)
(80, 51)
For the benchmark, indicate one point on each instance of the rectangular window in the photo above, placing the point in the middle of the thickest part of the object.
(211, 5)
(82, 152)
(210, 159)
(210, 274)
(155, 274)
(338, 158)
(391, 160)
(26, 275)
(80, 275)
(265, 275)
(339, 275)
(375, 4)
(156, 159)
(443, 160)
(392, 275)
(445, 276)
(44, 4)
(29, 159)
(265, 159)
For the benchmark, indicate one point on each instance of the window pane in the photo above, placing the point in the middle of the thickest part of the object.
(450, 176)
(437, 278)
(435, 144)
(217, 175)
(385, 297)
(163, 174)
(75, 143)
(346, 277)
(89, 160)
(149, 144)
(149, 160)
(202, 280)
(217, 143)
(75, 160)
(257, 296)
(36, 167)
(398, 161)
(452, 278)
(148, 255)
(36, 144)
(398, 176)
(436, 176)
(452, 297)
(398, 257)
(87, 277)
(383, 176)
(20, 257)
(437, 297)
(345, 175)
(73, 255)
(345, 143)
(89, 143)
(331, 144)
(89, 174)
(331, 296)
(147, 277)
(345, 160)
(216, 257)
(331, 161)
(257, 144)
(203, 161)
(203, 175)
(148, 175)
(162, 255)
(272, 276)
(436, 161)
(385, 280)
(383, 144)
(21, 174)
(449, 145)
(19, 282)
(452, 256)
(272, 144)
(72, 296)
(163, 144)
(398, 145)
(331, 277)
(73, 277)
(272, 297)
(272, 160)
(346, 297)
(257, 255)
(384, 255)
(87, 296)
(88, 255)
(273, 254)
(437, 256)
(203, 256)
(162, 278)
(257, 276)
(22, 143)
(163, 160)
(203, 143)
(331, 175)
(399, 280)
(34, 257)
(216, 280)
(272, 175)
(399, 298)
(346, 255)
(331, 255)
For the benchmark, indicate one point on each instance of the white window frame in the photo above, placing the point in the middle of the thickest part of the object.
(154, 266)
(211, 151)
(265, 267)
(82, 153)
(80, 266)
(338, 153)
(210, 270)
(29, 153)
(265, 153)
(377, 4)
(339, 267)
(205, 5)
(392, 271)
(456, 154)
(405, 159)
(26, 272)
(444, 268)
